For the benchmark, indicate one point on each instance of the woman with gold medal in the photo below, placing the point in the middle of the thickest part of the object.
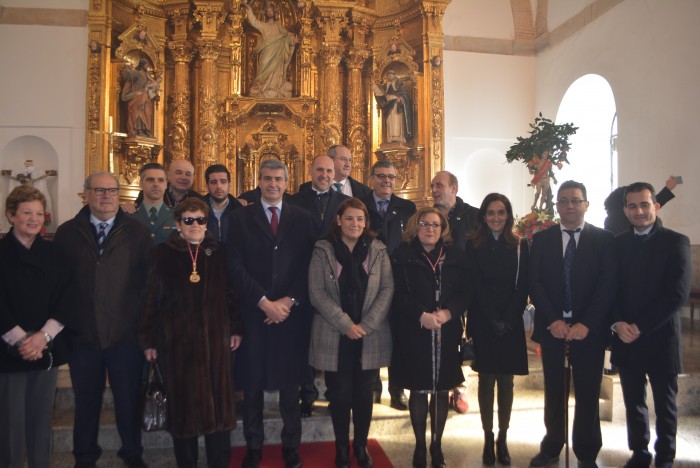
(191, 324)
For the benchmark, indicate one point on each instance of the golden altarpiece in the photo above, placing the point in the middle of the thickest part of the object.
(171, 79)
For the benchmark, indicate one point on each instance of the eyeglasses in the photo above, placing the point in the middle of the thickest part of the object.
(201, 220)
(426, 225)
(385, 176)
(102, 190)
(567, 202)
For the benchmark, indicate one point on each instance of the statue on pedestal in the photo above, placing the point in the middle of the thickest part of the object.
(397, 109)
(140, 91)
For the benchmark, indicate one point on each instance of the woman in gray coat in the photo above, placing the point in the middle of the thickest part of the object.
(350, 288)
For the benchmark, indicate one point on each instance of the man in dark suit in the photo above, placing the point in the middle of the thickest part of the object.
(153, 212)
(221, 202)
(180, 176)
(319, 199)
(654, 283)
(572, 285)
(269, 247)
(388, 216)
(342, 182)
(322, 204)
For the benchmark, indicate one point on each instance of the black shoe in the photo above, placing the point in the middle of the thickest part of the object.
(419, 457)
(306, 408)
(135, 462)
(488, 456)
(587, 464)
(377, 397)
(252, 458)
(502, 449)
(542, 459)
(399, 401)
(342, 455)
(85, 465)
(437, 459)
(639, 460)
(362, 456)
(291, 457)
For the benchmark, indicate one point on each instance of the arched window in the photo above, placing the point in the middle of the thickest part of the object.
(589, 104)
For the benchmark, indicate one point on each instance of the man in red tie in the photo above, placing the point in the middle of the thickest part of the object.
(269, 246)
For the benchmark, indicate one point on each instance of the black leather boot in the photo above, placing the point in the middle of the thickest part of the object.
(502, 449)
(488, 457)
(437, 459)
(342, 455)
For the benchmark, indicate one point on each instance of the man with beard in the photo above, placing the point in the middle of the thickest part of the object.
(153, 212)
(221, 202)
(463, 218)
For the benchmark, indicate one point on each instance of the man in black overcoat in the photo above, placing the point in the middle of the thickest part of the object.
(576, 320)
(463, 217)
(388, 217)
(654, 283)
(268, 271)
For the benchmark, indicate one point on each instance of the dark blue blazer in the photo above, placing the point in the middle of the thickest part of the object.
(594, 280)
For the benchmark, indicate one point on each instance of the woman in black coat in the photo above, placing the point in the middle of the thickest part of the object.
(498, 263)
(430, 295)
(37, 313)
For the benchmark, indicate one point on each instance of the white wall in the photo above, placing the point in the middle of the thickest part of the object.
(43, 95)
(488, 103)
(647, 50)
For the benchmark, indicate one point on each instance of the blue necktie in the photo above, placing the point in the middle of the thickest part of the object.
(101, 237)
(569, 269)
(381, 207)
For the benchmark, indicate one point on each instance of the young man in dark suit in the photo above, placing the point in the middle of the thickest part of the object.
(654, 283)
(269, 246)
(221, 202)
(388, 217)
(572, 285)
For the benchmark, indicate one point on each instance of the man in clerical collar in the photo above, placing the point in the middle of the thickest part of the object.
(153, 212)
(221, 202)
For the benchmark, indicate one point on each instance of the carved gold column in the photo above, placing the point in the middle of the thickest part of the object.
(332, 97)
(235, 34)
(433, 115)
(210, 16)
(177, 144)
(98, 75)
(357, 139)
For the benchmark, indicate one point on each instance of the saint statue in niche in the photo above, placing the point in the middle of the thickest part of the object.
(140, 91)
(275, 49)
(397, 110)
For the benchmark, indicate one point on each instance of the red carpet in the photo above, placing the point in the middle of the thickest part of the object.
(313, 455)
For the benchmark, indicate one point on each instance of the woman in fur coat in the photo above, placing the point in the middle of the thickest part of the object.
(191, 326)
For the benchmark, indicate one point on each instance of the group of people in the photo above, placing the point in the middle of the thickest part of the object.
(342, 278)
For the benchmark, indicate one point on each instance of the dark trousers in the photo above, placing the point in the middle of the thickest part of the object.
(26, 406)
(350, 390)
(217, 446)
(123, 364)
(586, 358)
(664, 388)
(253, 428)
(487, 382)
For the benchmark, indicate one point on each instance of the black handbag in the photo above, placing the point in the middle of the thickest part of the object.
(155, 401)
(466, 347)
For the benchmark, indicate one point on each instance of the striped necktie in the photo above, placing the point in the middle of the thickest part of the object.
(101, 237)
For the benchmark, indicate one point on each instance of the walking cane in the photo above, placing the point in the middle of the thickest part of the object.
(567, 386)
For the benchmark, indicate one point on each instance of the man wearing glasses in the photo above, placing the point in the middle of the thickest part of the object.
(572, 285)
(109, 250)
(342, 182)
(388, 216)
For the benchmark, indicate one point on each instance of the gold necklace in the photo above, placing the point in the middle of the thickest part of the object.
(194, 276)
